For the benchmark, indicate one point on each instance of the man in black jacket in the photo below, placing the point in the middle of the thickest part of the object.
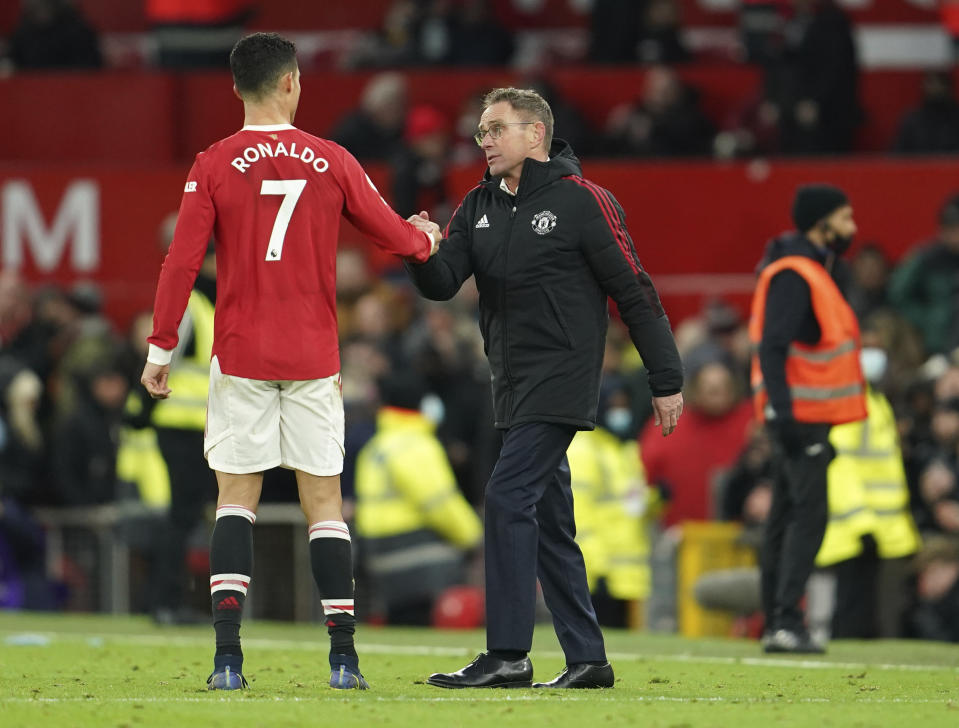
(806, 378)
(546, 248)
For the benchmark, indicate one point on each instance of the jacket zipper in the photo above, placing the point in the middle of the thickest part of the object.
(509, 376)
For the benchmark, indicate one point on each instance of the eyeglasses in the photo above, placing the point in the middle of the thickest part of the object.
(496, 130)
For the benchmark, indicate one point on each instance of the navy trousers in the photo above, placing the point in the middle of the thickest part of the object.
(530, 532)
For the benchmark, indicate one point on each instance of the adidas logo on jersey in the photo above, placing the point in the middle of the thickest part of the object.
(483, 222)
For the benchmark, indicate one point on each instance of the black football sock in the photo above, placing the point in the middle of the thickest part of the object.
(331, 557)
(231, 563)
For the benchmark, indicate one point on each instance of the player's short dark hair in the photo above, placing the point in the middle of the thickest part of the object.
(258, 60)
(530, 105)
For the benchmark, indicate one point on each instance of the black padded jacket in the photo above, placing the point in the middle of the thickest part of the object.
(545, 261)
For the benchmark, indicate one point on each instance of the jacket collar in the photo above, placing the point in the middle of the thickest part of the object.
(562, 163)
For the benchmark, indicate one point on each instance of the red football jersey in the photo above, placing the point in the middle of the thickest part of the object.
(272, 197)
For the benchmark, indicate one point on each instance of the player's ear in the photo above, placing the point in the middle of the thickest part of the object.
(237, 93)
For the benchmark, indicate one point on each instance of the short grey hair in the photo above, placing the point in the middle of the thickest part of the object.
(529, 103)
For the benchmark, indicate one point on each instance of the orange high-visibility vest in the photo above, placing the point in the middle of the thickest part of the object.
(825, 379)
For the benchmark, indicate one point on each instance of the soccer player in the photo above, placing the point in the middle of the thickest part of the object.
(272, 197)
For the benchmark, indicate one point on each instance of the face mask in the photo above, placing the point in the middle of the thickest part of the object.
(839, 243)
(618, 420)
(433, 409)
(873, 361)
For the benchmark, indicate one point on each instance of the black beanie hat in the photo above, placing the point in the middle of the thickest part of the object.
(814, 202)
(405, 390)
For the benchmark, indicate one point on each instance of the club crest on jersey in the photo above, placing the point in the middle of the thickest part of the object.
(544, 222)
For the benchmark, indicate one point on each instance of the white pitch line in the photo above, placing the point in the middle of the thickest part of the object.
(438, 651)
(781, 662)
(549, 697)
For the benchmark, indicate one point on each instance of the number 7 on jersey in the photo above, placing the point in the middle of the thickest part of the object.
(291, 189)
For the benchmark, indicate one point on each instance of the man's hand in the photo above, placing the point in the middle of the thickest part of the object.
(422, 222)
(154, 379)
(787, 431)
(758, 503)
(666, 411)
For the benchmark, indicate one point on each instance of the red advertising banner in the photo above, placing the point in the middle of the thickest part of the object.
(699, 228)
(102, 225)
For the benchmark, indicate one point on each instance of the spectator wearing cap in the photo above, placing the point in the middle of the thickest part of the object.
(419, 169)
(925, 286)
(806, 377)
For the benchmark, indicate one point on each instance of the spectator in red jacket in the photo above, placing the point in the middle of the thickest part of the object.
(713, 434)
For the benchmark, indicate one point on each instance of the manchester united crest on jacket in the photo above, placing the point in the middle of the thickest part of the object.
(544, 222)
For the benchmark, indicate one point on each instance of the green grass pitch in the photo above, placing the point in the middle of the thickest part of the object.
(115, 672)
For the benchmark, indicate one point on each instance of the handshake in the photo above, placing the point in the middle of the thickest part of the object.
(422, 222)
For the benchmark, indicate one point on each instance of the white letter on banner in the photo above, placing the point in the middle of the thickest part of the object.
(76, 219)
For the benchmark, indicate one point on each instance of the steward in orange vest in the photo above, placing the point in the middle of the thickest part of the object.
(824, 378)
(806, 377)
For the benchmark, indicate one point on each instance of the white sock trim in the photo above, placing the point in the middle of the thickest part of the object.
(330, 529)
(232, 582)
(337, 606)
(231, 510)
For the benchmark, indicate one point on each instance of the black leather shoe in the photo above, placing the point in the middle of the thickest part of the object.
(487, 672)
(582, 675)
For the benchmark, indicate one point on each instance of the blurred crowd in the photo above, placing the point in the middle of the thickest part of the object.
(808, 101)
(74, 418)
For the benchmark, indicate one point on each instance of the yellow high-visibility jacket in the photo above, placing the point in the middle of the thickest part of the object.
(868, 493)
(185, 408)
(611, 501)
(139, 460)
(404, 483)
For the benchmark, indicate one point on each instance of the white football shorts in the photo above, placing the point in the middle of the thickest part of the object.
(254, 425)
